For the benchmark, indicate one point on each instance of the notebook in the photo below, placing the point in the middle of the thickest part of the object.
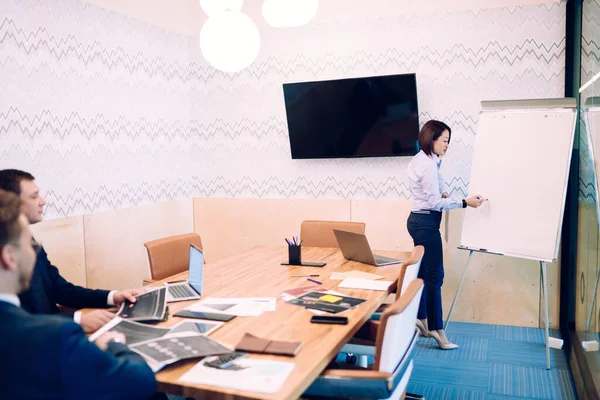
(254, 344)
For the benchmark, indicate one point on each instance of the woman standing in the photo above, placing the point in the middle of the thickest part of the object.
(429, 200)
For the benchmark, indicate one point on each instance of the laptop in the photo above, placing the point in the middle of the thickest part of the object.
(355, 247)
(191, 289)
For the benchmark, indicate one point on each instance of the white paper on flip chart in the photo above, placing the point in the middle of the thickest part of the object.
(366, 284)
(250, 374)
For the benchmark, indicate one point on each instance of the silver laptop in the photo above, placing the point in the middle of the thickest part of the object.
(191, 289)
(355, 247)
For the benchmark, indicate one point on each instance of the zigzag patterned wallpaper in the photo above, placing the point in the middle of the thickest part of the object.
(109, 112)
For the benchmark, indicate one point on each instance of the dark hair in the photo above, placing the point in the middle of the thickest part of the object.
(10, 210)
(430, 132)
(10, 180)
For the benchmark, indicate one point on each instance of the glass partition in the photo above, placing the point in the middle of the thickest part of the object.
(587, 309)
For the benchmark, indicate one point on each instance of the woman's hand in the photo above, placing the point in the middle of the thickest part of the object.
(475, 201)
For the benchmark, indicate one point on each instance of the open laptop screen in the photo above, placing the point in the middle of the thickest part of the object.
(195, 268)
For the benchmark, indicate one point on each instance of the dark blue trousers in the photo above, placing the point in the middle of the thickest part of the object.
(425, 231)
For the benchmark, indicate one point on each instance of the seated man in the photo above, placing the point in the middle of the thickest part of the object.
(48, 288)
(49, 357)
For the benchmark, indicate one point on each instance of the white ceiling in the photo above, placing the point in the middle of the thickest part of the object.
(186, 16)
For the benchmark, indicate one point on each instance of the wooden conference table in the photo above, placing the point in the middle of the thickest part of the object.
(259, 273)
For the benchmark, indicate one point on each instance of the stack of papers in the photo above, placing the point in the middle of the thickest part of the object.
(149, 306)
(299, 291)
(366, 284)
(354, 274)
(199, 327)
(241, 306)
(135, 332)
(161, 352)
(249, 374)
(327, 302)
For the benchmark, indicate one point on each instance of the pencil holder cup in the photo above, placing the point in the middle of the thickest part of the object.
(295, 257)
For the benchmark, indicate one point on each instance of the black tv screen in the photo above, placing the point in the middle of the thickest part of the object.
(360, 117)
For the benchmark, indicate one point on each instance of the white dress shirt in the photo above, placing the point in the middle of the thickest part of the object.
(10, 298)
(427, 185)
(109, 301)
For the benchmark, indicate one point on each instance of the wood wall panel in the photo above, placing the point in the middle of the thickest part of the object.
(497, 289)
(553, 273)
(62, 239)
(386, 223)
(230, 226)
(114, 241)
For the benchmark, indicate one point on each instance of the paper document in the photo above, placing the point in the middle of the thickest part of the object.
(250, 374)
(327, 302)
(161, 352)
(149, 306)
(134, 331)
(366, 284)
(299, 291)
(240, 306)
(198, 326)
(354, 274)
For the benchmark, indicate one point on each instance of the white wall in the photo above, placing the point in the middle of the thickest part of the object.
(108, 111)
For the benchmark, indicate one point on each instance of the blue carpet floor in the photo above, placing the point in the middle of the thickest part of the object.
(493, 362)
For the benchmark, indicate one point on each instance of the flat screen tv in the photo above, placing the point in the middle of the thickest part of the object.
(374, 116)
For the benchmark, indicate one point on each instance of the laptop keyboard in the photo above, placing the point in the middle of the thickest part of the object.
(383, 259)
(180, 291)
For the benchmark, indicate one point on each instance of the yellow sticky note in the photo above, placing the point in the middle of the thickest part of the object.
(330, 298)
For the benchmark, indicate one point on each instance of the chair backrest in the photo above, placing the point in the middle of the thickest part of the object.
(397, 328)
(409, 270)
(171, 255)
(320, 233)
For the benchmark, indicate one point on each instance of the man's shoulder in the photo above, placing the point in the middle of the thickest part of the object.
(42, 256)
(39, 333)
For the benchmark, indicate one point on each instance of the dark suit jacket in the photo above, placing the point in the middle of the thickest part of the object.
(48, 288)
(49, 357)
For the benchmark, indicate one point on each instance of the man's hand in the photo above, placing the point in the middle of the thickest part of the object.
(103, 340)
(122, 295)
(94, 320)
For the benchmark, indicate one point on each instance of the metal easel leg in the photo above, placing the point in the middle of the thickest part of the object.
(589, 320)
(458, 290)
(547, 329)
(363, 361)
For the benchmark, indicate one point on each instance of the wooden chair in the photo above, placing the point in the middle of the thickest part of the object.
(393, 346)
(171, 255)
(320, 233)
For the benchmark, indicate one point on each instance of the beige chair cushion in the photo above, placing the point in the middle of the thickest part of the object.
(171, 255)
